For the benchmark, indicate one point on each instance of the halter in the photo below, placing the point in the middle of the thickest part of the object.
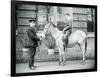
(46, 29)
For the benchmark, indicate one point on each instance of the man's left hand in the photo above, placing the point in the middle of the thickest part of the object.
(42, 35)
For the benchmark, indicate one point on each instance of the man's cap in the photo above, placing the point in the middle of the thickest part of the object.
(32, 20)
(67, 14)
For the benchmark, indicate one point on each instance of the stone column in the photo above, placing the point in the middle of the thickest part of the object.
(55, 15)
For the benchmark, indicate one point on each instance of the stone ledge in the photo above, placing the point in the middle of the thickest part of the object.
(91, 34)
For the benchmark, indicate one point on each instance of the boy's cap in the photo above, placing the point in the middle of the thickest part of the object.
(32, 20)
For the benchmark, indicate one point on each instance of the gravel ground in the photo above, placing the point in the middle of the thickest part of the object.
(53, 66)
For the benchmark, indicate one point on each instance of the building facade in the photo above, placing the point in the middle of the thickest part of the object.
(82, 19)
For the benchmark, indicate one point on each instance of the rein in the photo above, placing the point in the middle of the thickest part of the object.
(46, 29)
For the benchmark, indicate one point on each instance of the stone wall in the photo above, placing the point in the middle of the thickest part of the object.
(25, 12)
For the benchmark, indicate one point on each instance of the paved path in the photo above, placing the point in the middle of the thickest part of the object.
(53, 66)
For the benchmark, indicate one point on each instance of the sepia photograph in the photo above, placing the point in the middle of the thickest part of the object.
(50, 38)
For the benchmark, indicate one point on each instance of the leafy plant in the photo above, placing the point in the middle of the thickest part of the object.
(51, 42)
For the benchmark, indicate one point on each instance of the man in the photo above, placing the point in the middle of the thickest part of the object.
(68, 29)
(31, 32)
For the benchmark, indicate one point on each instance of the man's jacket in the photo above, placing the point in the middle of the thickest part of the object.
(33, 39)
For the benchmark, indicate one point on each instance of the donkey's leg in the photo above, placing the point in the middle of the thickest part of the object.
(60, 61)
(83, 52)
(60, 56)
(82, 47)
(64, 60)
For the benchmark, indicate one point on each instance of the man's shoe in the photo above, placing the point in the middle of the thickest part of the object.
(33, 68)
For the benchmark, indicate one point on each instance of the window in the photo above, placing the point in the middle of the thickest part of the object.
(91, 20)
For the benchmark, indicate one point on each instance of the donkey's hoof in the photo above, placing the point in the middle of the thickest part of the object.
(83, 62)
(64, 64)
(59, 63)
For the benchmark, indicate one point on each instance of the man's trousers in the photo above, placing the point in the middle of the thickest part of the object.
(32, 55)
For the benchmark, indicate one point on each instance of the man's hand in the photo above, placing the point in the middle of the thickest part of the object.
(42, 35)
(41, 38)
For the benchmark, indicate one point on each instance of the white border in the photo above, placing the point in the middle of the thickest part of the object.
(5, 29)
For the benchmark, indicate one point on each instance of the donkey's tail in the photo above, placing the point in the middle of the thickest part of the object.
(85, 44)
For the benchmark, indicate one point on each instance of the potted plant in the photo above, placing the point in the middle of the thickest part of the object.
(51, 44)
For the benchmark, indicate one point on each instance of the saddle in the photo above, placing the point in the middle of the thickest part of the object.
(65, 37)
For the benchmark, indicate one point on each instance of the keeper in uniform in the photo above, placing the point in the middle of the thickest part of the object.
(33, 43)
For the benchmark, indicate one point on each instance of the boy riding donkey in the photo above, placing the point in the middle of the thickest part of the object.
(67, 30)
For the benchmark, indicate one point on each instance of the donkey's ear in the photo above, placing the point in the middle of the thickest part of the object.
(51, 19)
(54, 25)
